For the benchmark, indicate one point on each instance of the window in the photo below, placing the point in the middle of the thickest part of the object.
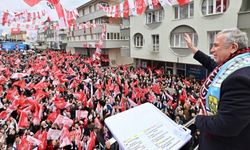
(155, 39)
(96, 7)
(111, 36)
(91, 8)
(118, 36)
(108, 36)
(104, 4)
(210, 7)
(81, 12)
(178, 40)
(211, 36)
(154, 16)
(185, 11)
(98, 21)
(138, 40)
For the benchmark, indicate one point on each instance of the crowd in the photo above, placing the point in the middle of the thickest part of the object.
(55, 100)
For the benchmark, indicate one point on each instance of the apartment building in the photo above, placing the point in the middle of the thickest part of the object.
(51, 37)
(41, 39)
(157, 36)
(20, 36)
(115, 46)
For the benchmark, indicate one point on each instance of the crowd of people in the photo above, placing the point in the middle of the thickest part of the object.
(55, 100)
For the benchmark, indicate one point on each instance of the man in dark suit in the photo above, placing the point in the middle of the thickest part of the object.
(226, 93)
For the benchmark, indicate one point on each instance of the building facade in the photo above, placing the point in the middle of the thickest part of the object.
(51, 37)
(115, 46)
(20, 36)
(157, 36)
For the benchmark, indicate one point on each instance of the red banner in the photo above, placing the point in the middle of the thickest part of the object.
(15, 30)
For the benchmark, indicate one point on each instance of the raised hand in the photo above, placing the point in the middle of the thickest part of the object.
(189, 43)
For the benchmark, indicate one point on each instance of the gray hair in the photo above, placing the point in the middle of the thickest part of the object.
(237, 36)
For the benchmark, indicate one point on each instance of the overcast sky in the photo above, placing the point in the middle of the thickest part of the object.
(20, 5)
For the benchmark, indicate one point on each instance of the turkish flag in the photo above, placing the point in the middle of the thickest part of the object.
(140, 6)
(125, 9)
(54, 1)
(4, 114)
(52, 116)
(31, 3)
(15, 30)
(23, 120)
(183, 2)
(5, 17)
(91, 141)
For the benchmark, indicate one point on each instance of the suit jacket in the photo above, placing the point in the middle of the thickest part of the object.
(229, 129)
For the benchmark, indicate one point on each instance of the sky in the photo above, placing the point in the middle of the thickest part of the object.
(21, 5)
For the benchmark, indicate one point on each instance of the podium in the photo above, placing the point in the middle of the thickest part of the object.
(145, 127)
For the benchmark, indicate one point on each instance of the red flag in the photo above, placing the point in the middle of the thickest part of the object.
(92, 139)
(156, 89)
(192, 99)
(61, 15)
(65, 137)
(60, 103)
(71, 71)
(126, 88)
(23, 120)
(81, 114)
(90, 103)
(125, 9)
(98, 93)
(31, 3)
(15, 30)
(43, 139)
(5, 17)
(116, 14)
(37, 116)
(85, 69)
(183, 2)
(63, 120)
(20, 83)
(54, 1)
(140, 6)
(152, 98)
(155, 3)
(52, 116)
(73, 84)
(33, 140)
(24, 144)
(3, 79)
(159, 71)
(4, 114)
(187, 83)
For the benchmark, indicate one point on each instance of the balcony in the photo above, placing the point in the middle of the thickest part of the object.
(91, 16)
(106, 43)
(98, 29)
(62, 32)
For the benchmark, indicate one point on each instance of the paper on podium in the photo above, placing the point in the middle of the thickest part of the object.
(145, 127)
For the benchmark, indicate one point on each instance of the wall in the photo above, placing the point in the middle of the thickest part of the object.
(201, 24)
(116, 58)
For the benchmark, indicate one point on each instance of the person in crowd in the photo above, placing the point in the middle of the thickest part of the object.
(225, 124)
(53, 99)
